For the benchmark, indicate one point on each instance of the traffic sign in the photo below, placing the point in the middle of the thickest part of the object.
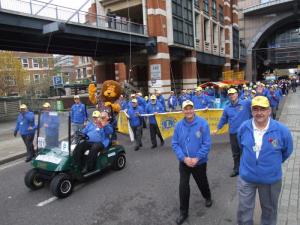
(57, 81)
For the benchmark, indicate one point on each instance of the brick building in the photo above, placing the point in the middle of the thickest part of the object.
(196, 41)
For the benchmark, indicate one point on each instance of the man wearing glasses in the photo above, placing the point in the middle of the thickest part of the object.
(265, 144)
(191, 143)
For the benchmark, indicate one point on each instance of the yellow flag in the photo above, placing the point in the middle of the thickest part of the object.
(167, 121)
(122, 123)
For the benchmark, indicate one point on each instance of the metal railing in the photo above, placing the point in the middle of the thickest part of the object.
(69, 15)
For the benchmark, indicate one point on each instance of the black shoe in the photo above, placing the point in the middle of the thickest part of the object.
(182, 217)
(162, 143)
(208, 203)
(141, 145)
(28, 159)
(136, 148)
(153, 146)
(234, 174)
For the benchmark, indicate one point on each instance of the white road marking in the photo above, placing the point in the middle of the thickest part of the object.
(46, 202)
(11, 164)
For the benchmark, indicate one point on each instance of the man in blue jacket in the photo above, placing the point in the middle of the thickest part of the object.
(152, 108)
(200, 100)
(26, 127)
(265, 144)
(50, 121)
(136, 122)
(78, 114)
(172, 102)
(191, 143)
(235, 114)
(99, 133)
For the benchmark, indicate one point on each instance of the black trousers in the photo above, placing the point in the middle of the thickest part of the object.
(154, 130)
(199, 174)
(236, 152)
(137, 132)
(91, 160)
(28, 141)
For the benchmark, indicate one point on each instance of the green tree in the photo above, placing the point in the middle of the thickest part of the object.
(11, 74)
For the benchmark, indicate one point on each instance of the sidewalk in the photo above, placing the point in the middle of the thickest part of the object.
(289, 203)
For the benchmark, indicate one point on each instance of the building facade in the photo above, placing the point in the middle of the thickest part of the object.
(196, 40)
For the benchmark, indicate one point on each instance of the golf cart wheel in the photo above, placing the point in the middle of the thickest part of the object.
(33, 180)
(61, 185)
(120, 161)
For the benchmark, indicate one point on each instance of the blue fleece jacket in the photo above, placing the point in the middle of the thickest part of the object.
(273, 99)
(25, 121)
(172, 102)
(78, 113)
(192, 139)
(235, 115)
(277, 146)
(134, 119)
(183, 98)
(151, 108)
(97, 134)
(200, 101)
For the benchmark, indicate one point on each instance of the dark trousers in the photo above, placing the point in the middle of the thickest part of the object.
(91, 160)
(28, 141)
(137, 132)
(154, 130)
(199, 174)
(236, 152)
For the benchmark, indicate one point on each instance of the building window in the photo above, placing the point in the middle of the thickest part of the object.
(221, 14)
(45, 63)
(197, 26)
(35, 63)
(215, 34)
(236, 43)
(84, 72)
(183, 31)
(10, 80)
(206, 30)
(25, 63)
(36, 78)
(206, 6)
(214, 8)
(78, 74)
(38, 93)
(27, 79)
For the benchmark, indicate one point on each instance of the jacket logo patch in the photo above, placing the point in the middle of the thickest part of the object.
(198, 134)
(241, 108)
(274, 142)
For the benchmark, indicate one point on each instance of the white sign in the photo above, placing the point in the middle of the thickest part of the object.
(41, 142)
(155, 74)
(64, 146)
(48, 158)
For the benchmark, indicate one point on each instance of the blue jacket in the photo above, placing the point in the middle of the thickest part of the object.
(24, 121)
(192, 139)
(141, 102)
(134, 120)
(273, 99)
(52, 120)
(161, 100)
(277, 146)
(97, 134)
(183, 98)
(200, 101)
(151, 108)
(235, 115)
(172, 102)
(78, 113)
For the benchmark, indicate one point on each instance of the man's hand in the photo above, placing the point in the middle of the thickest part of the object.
(30, 128)
(15, 133)
(188, 161)
(194, 161)
(215, 132)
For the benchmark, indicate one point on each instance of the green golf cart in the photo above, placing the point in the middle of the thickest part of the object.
(54, 159)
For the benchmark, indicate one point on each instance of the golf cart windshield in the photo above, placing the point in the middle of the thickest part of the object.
(53, 130)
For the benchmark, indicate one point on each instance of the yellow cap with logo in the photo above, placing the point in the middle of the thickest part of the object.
(187, 103)
(153, 97)
(199, 89)
(261, 101)
(23, 106)
(46, 105)
(134, 100)
(232, 91)
(96, 114)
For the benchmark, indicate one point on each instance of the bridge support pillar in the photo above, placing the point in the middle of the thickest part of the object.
(189, 71)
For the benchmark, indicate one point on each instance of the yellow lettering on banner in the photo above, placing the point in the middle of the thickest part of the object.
(122, 123)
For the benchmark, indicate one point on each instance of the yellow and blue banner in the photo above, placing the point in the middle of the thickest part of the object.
(167, 121)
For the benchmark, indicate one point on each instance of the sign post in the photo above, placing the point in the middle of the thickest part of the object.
(155, 72)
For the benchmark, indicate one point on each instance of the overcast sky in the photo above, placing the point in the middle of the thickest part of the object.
(75, 4)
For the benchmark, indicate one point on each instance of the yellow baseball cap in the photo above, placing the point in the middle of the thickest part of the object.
(132, 95)
(186, 103)
(76, 96)
(199, 89)
(46, 105)
(134, 100)
(261, 101)
(96, 114)
(231, 91)
(246, 88)
(253, 91)
(23, 106)
(153, 97)
(146, 97)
